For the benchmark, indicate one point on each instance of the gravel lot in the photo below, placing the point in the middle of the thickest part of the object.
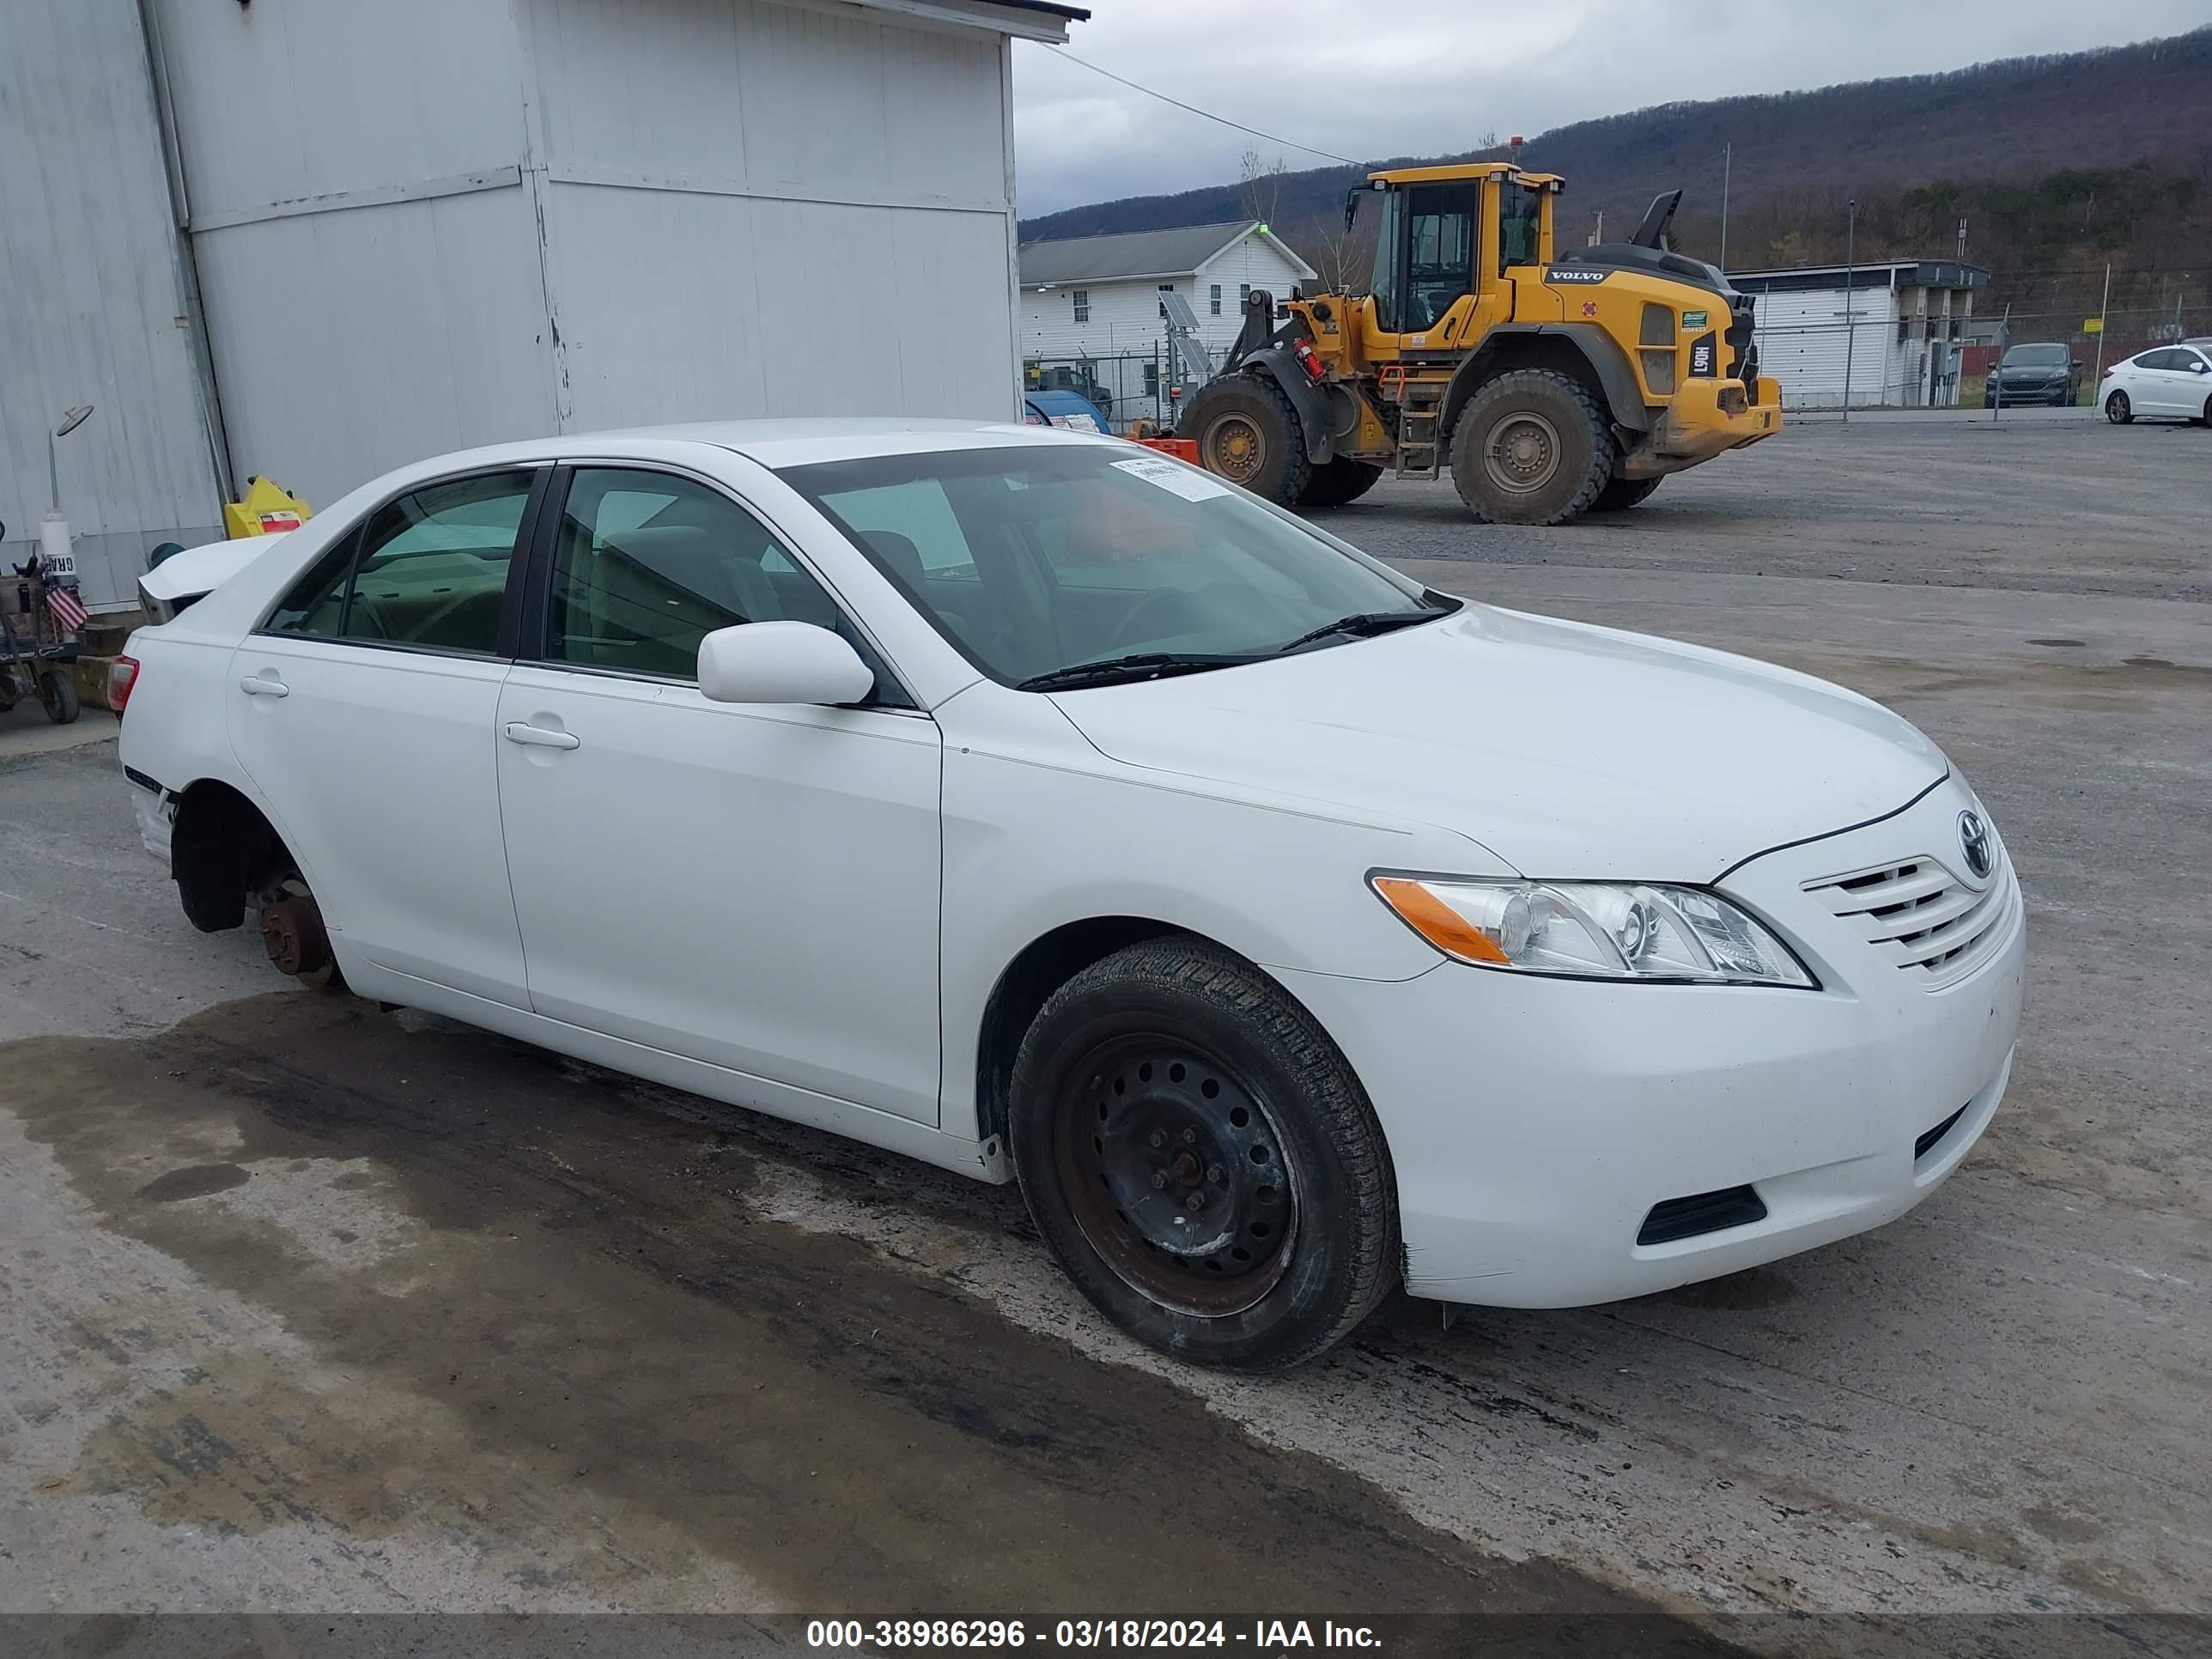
(314, 1307)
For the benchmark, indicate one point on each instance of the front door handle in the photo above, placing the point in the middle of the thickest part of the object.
(517, 731)
(263, 684)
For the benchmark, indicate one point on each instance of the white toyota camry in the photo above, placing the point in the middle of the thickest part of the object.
(1039, 806)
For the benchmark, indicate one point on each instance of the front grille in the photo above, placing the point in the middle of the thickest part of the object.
(1919, 916)
(1927, 1142)
(1701, 1212)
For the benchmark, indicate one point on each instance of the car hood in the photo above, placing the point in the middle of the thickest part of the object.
(1566, 750)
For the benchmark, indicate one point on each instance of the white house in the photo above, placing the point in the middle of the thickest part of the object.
(1898, 339)
(313, 239)
(1095, 299)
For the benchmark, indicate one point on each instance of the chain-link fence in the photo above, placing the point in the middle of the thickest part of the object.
(1133, 390)
(1895, 361)
(2124, 333)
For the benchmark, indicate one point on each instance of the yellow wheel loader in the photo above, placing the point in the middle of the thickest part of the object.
(1550, 383)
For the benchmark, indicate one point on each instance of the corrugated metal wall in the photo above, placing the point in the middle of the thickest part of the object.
(458, 222)
(1803, 340)
(91, 299)
(425, 224)
(827, 194)
(367, 254)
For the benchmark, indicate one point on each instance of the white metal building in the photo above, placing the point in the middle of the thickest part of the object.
(1099, 296)
(1900, 340)
(421, 224)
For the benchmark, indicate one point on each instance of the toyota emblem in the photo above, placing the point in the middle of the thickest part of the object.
(1974, 842)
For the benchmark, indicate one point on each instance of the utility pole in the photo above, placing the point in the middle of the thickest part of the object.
(2004, 333)
(1727, 155)
(2104, 310)
(1850, 308)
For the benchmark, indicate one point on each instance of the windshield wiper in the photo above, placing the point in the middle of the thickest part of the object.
(1144, 666)
(1361, 626)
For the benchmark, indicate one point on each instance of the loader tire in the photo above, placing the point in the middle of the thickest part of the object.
(1335, 482)
(1621, 494)
(1248, 431)
(1532, 446)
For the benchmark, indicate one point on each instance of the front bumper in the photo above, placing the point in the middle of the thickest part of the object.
(1535, 1124)
(1706, 418)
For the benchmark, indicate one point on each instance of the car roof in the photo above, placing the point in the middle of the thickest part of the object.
(801, 441)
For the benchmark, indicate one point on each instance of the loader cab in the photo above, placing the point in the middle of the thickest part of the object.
(1445, 238)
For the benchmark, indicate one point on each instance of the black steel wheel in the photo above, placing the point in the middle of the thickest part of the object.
(1174, 1171)
(1249, 433)
(2117, 409)
(1200, 1159)
(1532, 446)
(57, 693)
(1621, 494)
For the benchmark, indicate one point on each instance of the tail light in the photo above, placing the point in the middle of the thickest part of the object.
(1309, 360)
(122, 675)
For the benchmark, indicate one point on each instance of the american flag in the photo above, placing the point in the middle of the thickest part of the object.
(66, 610)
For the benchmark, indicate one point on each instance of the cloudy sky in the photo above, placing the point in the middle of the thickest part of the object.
(1427, 76)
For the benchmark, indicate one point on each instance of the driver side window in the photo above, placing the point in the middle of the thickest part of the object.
(647, 564)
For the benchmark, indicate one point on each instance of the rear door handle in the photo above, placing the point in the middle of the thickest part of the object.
(517, 731)
(264, 686)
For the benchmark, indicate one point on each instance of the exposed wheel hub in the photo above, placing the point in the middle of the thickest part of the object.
(1234, 448)
(292, 932)
(1177, 1174)
(1523, 452)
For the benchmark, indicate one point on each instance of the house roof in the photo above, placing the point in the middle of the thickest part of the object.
(1136, 254)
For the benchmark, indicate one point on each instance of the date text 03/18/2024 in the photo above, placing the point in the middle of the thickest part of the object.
(1263, 1637)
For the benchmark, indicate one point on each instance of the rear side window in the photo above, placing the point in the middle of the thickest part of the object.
(429, 570)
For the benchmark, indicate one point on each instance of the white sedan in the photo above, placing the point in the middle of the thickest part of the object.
(1048, 809)
(2171, 382)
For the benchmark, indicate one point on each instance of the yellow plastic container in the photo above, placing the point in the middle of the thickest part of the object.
(266, 510)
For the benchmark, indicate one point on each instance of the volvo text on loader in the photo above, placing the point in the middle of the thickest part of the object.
(1550, 383)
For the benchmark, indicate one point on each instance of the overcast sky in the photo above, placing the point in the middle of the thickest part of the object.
(1418, 77)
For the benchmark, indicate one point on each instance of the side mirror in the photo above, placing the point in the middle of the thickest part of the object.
(2076, 363)
(780, 662)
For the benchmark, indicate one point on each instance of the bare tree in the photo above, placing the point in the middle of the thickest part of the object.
(1260, 185)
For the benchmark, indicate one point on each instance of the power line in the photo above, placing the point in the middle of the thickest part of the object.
(1207, 113)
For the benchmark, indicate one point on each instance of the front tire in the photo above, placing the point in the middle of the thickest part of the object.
(1532, 446)
(1201, 1160)
(2117, 409)
(1249, 433)
(57, 693)
(1621, 494)
(1338, 483)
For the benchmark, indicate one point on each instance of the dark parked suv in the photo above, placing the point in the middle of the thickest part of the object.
(2034, 375)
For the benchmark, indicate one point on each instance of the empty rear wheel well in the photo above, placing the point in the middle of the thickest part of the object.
(222, 850)
(1043, 966)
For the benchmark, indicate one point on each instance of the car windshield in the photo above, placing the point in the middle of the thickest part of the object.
(1039, 559)
(2035, 356)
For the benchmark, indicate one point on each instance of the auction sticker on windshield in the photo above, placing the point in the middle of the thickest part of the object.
(1176, 479)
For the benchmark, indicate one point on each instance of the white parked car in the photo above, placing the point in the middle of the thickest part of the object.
(2171, 382)
(1051, 810)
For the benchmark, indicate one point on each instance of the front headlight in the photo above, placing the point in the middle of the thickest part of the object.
(1593, 929)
